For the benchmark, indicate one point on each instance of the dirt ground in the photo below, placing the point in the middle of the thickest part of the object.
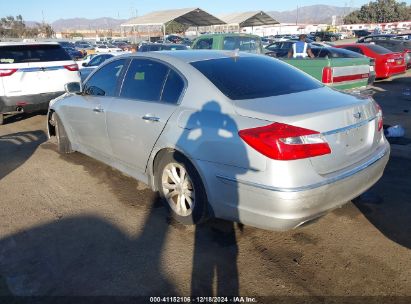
(73, 226)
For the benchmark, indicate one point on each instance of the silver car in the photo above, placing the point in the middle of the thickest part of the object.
(222, 134)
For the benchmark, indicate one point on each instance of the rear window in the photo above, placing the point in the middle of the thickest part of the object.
(334, 53)
(254, 77)
(32, 53)
(379, 49)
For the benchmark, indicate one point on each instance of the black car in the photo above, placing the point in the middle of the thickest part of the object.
(361, 33)
(280, 48)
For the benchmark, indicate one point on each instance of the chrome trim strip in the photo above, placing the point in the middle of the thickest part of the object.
(354, 126)
(312, 186)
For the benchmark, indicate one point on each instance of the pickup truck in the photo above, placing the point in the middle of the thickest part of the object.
(352, 74)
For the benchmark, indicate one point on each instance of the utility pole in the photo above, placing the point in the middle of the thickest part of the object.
(296, 21)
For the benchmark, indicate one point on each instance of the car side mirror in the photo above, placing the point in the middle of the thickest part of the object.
(72, 87)
(84, 64)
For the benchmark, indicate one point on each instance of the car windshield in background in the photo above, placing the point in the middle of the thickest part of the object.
(378, 49)
(246, 44)
(322, 52)
(32, 53)
(254, 77)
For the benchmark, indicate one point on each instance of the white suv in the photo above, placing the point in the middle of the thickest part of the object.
(31, 74)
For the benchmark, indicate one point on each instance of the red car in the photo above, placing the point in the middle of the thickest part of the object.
(387, 63)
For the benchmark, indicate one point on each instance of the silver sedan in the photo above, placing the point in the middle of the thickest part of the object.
(223, 134)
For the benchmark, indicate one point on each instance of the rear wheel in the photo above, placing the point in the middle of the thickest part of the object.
(63, 143)
(181, 189)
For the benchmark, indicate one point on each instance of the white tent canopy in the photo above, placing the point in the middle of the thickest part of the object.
(249, 19)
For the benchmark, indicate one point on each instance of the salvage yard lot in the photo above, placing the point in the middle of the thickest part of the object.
(73, 226)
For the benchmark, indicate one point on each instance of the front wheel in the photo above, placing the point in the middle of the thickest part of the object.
(63, 142)
(181, 189)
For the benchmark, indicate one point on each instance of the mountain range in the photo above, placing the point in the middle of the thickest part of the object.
(306, 14)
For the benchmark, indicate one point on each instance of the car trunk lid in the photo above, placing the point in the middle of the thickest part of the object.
(348, 122)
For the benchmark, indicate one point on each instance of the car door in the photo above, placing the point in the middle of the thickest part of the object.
(87, 115)
(149, 95)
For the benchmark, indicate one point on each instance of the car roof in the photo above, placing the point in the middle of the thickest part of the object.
(166, 44)
(354, 44)
(226, 35)
(189, 56)
(28, 43)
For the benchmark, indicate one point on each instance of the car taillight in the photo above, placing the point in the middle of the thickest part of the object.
(379, 117)
(72, 67)
(327, 75)
(285, 142)
(7, 72)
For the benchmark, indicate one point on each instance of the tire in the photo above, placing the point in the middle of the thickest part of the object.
(63, 142)
(169, 170)
(1, 119)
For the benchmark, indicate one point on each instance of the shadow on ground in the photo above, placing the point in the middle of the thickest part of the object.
(16, 148)
(388, 204)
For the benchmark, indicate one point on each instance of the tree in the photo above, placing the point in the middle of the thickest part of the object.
(14, 27)
(380, 11)
(174, 27)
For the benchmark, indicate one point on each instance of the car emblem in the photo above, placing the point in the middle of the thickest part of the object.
(357, 115)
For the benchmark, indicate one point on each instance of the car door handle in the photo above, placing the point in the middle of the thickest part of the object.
(98, 110)
(151, 118)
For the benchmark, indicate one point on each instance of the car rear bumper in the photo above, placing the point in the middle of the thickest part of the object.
(286, 208)
(28, 103)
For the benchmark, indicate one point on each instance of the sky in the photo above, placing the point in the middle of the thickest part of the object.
(51, 10)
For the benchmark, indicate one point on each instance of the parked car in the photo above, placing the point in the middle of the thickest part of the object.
(107, 48)
(150, 47)
(361, 33)
(84, 47)
(243, 42)
(66, 44)
(31, 74)
(84, 61)
(393, 43)
(90, 66)
(75, 54)
(332, 52)
(326, 36)
(387, 63)
(216, 134)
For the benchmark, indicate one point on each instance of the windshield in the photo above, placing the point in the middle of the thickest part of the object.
(254, 77)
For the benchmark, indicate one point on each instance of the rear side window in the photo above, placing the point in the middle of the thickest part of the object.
(104, 81)
(173, 87)
(204, 44)
(254, 77)
(144, 80)
(379, 49)
(32, 53)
